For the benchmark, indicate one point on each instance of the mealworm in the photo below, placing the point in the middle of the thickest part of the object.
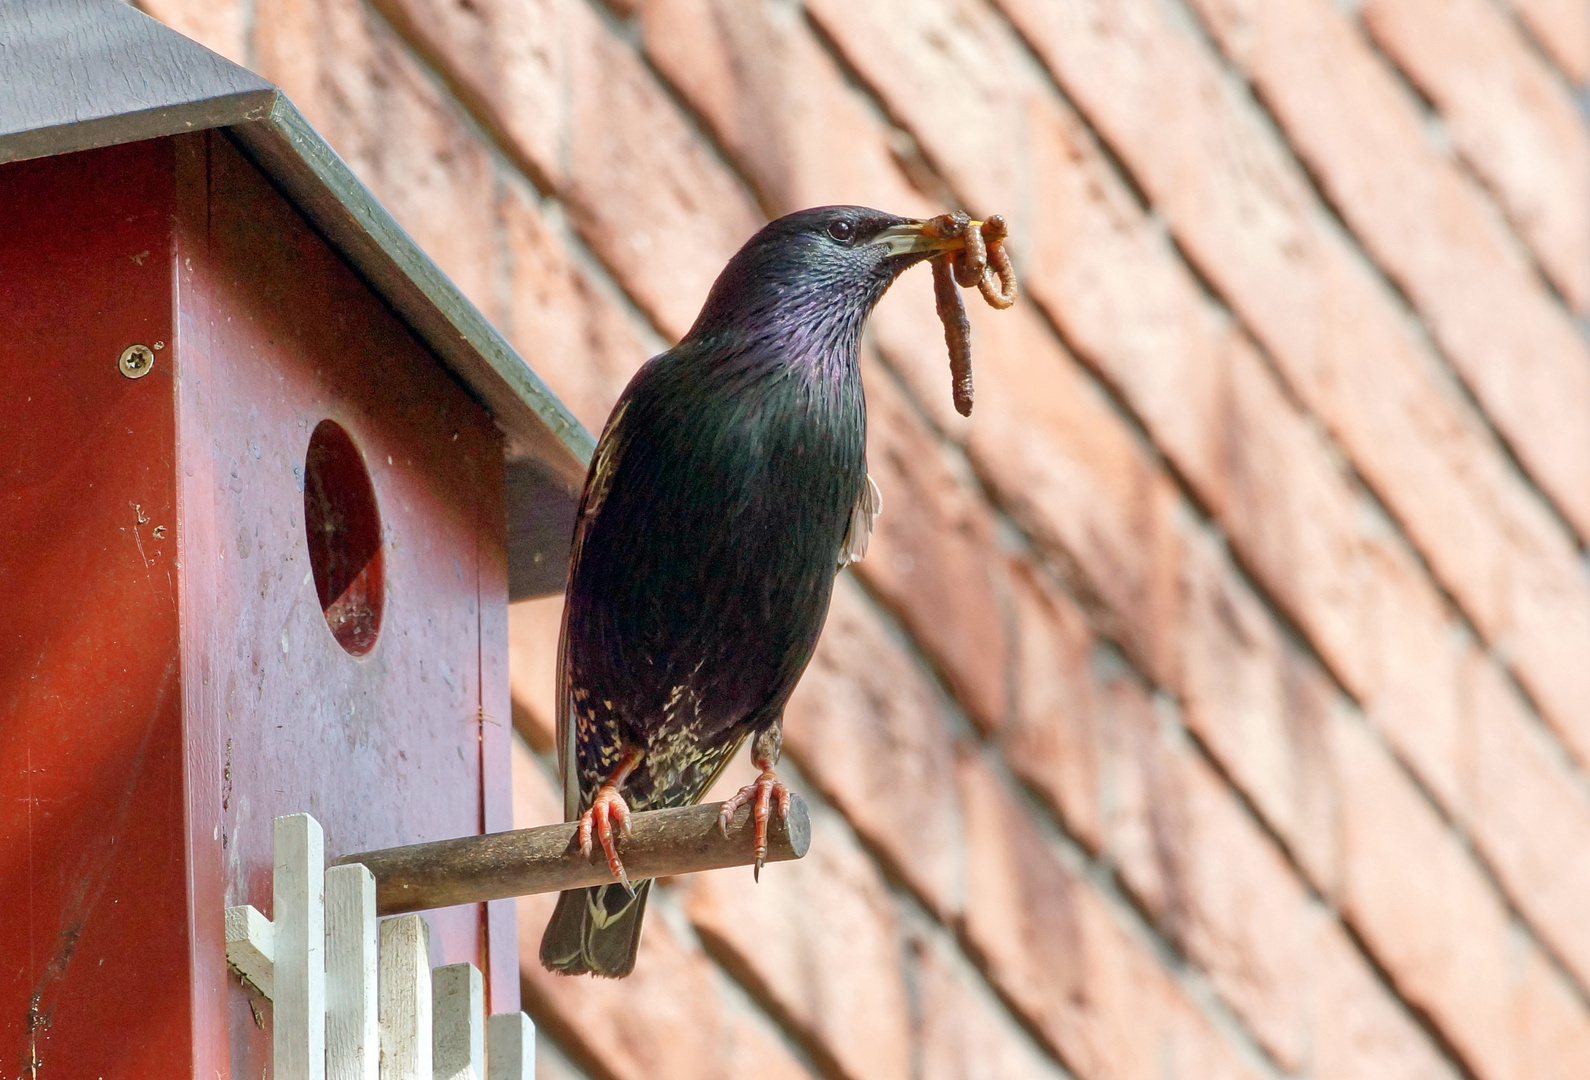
(971, 262)
(981, 262)
(957, 333)
(1000, 293)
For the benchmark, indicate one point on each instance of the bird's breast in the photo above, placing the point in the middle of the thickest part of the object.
(706, 574)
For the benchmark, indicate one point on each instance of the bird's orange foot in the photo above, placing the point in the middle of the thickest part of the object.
(761, 794)
(606, 809)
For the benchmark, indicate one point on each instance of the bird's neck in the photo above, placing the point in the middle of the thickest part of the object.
(816, 341)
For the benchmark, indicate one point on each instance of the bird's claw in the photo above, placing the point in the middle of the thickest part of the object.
(608, 806)
(760, 794)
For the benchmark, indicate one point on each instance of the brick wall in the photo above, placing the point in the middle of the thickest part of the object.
(1216, 702)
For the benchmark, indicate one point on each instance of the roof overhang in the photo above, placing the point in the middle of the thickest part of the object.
(83, 74)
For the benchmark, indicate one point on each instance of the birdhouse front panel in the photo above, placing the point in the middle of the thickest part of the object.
(348, 578)
(255, 567)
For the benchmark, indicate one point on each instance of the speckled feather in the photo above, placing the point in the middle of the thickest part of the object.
(728, 486)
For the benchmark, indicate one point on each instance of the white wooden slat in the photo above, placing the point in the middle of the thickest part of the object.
(353, 1030)
(250, 946)
(459, 1004)
(298, 1047)
(510, 1047)
(405, 995)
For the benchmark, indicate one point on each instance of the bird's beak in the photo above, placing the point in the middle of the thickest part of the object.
(918, 238)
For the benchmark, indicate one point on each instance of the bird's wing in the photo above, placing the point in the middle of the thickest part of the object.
(604, 464)
(868, 506)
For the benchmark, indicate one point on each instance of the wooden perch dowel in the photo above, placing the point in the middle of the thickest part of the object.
(472, 869)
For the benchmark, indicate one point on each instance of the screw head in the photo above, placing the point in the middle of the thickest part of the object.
(136, 361)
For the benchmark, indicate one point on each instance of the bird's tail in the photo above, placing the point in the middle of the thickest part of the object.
(595, 930)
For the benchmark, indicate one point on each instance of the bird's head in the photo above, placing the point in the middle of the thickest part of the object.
(812, 277)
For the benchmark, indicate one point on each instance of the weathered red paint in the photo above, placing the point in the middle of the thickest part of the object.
(93, 915)
(168, 681)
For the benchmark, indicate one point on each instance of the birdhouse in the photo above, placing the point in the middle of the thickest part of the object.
(258, 461)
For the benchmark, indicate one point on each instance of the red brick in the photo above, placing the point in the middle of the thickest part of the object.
(933, 556)
(218, 25)
(1099, 266)
(1330, 559)
(1054, 737)
(816, 940)
(1366, 835)
(1220, 892)
(1224, 893)
(962, 1032)
(1068, 470)
(551, 1064)
(537, 798)
(508, 60)
(1246, 215)
(1510, 117)
(1357, 1030)
(1292, 514)
(1429, 225)
(1109, 277)
(533, 627)
(670, 1019)
(867, 726)
(579, 109)
(1419, 653)
(579, 339)
(1054, 948)
(363, 90)
(777, 103)
(1562, 27)
(1441, 930)
(1263, 710)
(958, 82)
(1530, 814)
(1269, 717)
(1111, 280)
(1105, 273)
(643, 189)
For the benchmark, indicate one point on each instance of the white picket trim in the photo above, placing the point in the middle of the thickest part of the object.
(511, 1047)
(353, 1031)
(298, 1043)
(405, 990)
(250, 946)
(458, 1002)
(355, 998)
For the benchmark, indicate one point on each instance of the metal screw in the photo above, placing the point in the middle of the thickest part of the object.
(136, 361)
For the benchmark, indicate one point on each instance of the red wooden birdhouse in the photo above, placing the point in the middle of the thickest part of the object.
(257, 461)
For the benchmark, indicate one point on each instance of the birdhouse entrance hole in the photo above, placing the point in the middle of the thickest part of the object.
(344, 532)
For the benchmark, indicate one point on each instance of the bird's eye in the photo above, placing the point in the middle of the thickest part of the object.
(842, 231)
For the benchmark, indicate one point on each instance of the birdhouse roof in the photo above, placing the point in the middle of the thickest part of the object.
(83, 74)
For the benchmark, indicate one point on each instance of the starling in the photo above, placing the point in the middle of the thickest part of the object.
(728, 488)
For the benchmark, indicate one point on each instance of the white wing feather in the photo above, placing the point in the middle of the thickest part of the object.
(867, 509)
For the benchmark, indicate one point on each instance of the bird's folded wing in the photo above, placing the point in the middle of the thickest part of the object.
(604, 465)
(867, 509)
